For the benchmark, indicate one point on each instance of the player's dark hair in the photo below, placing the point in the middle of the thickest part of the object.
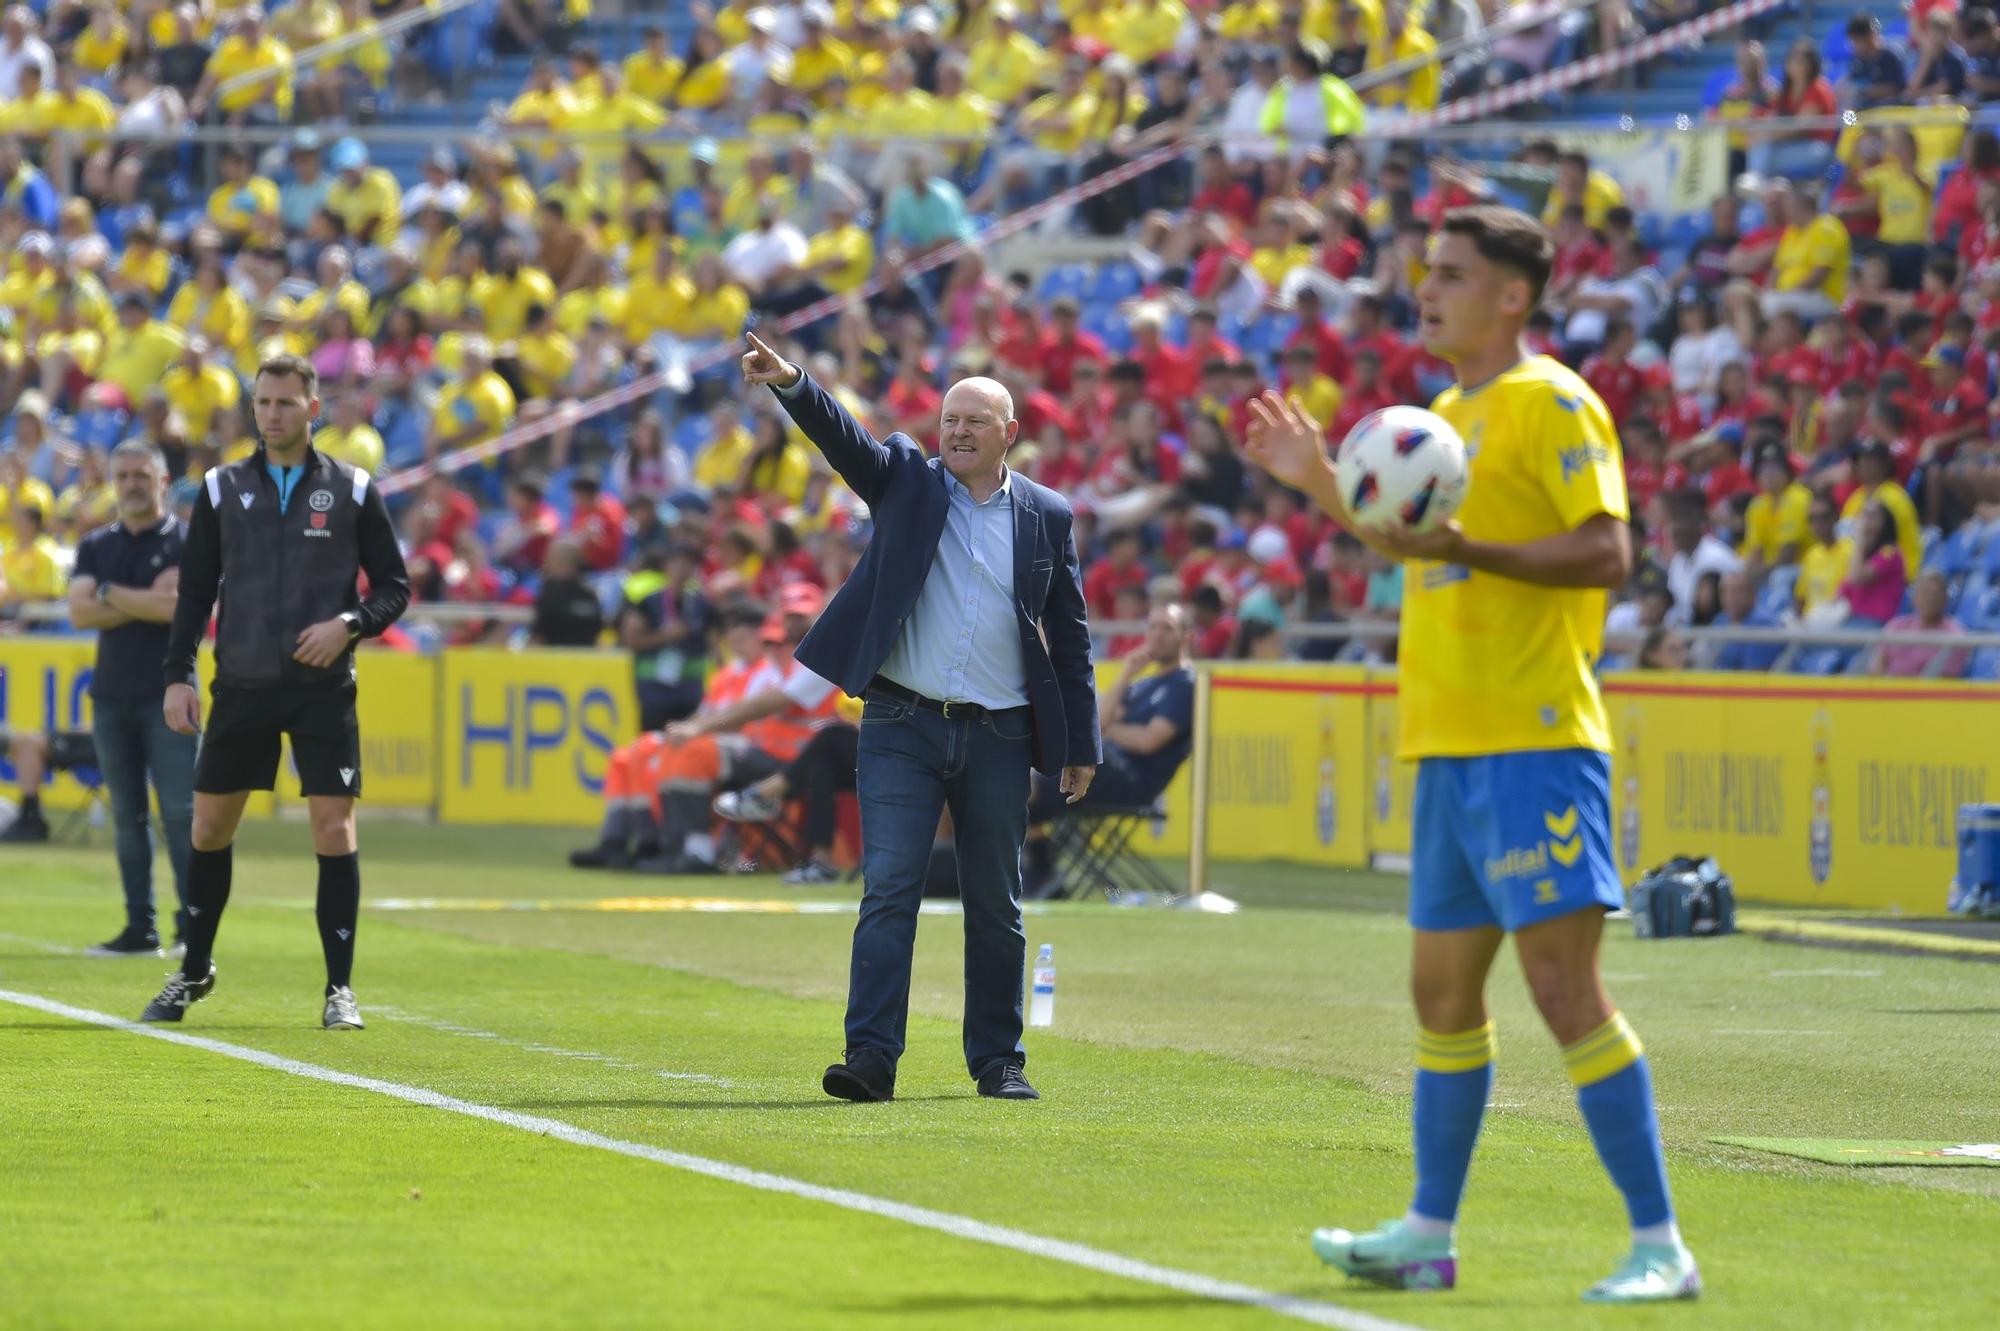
(288, 366)
(1507, 237)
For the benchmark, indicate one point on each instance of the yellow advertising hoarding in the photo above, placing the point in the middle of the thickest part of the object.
(525, 735)
(397, 704)
(1821, 792)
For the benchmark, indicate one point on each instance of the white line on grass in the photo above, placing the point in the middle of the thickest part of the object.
(944, 1222)
(535, 1047)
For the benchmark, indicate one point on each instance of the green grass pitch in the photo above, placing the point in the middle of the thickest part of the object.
(1216, 1086)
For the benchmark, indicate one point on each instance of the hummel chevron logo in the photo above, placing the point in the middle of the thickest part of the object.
(247, 499)
(193, 911)
(347, 775)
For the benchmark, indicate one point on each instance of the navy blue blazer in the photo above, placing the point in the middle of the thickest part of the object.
(904, 489)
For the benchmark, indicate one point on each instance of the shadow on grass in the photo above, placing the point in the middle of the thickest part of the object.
(641, 1102)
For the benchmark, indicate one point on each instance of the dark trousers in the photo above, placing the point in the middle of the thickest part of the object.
(133, 742)
(823, 769)
(912, 763)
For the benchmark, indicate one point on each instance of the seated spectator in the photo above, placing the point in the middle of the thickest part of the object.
(1876, 74)
(1803, 93)
(1775, 523)
(1911, 660)
(1739, 610)
(1875, 476)
(1694, 552)
(1809, 271)
(823, 771)
(1664, 649)
(33, 565)
(1147, 716)
(1877, 576)
(568, 612)
(664, 622)
(1941, 71)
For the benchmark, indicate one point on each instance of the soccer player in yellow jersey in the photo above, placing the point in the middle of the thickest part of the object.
(1503, 617)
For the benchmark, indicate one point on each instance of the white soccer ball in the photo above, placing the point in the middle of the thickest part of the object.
(1401, 467)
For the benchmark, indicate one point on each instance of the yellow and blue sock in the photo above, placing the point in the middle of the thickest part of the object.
(1614, 1089)
(1454, 1081)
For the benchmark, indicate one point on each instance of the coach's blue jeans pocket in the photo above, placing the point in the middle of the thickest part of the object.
(876, 711)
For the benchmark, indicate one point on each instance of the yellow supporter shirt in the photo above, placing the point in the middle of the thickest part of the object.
(87, 506)
(1820, 243)
(1600, 195)
(486, 402)
(1272, 264)
(1322, 396)
(1000, 71)
(1822, 569)
(1068, 116)
(376, 197)
(223, 320)
(1247, 20)
(704, 87)
(1419, 89)
(1489, 664)
(1144, 32)
(1909, 531)
(1770, 525)
(652, 77)
(235, 207)
(546, 359)
(852, 246)
(739, 205)
(505, 301)
(1903, 202)
(718, 315)
(350, 296)
(150, 271)
(35, 572)
(813, 65)
(359, 447)
(372, 56)
(721, 463)
(198, 394)
(236, 57)
(96, 54)
(136, 360)
(90, 111)
(31, 492)
(84, 347)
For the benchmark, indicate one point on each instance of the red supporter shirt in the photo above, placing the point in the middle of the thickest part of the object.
(1682, 418)
(1103, 582)
(1342, 258)
(1208, 349)
(602, 528)
(1214, 640)
(1619, 385)
(1866, 226)
(1857, 360)
(1023, 349)
(1332, 348)
(1207, 273)
(456, 516)
(1728, 479)
(1396, 378)
(1059, 359)
(1958, 203)
(1964, 405)
(1744, 411)
(1039, 408)
(1353, 408)
(1170, 371)
(1581, 259)
(1233, 200)
(541, 528)
(1644, 479)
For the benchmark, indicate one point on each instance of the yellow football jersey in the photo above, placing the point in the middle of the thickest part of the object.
(1489, 664)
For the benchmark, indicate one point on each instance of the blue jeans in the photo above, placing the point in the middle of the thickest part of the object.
(133, 740)
(911, 764)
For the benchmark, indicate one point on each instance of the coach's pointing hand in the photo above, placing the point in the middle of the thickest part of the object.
(761, 365)
(183, 709)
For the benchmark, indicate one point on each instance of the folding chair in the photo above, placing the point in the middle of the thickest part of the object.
(1092, 848)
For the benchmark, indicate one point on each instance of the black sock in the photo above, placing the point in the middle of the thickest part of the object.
(208, 893)
(31, 805)
(338, 909)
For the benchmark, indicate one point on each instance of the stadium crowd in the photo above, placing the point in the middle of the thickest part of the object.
(1804, 384)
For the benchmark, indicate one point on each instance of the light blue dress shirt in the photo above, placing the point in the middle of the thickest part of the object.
(962, 642)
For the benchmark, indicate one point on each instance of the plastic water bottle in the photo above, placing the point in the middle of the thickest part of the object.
(1042, 1006)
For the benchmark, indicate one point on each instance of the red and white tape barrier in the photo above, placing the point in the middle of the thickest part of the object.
(1590, 67)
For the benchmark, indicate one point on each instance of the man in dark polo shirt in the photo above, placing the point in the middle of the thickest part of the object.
(126, 579)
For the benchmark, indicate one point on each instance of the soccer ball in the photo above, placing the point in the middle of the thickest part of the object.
(1401, 466)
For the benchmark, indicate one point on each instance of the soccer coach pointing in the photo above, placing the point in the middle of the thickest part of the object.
(941, 630)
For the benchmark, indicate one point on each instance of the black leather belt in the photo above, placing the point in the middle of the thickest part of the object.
(950, 711)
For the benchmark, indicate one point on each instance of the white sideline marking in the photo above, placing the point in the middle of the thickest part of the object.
(944, 1222)
(42, 944)
(535, 1047)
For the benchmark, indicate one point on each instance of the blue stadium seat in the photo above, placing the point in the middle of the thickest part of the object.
(1107, 325)
(1065, 279)
(1685, 230)
(1718, 83)
(1969, 596)
(1985, 664)
(692, 433)
(99, 429)
(1820, 661)
(1267, 336)
(1780, 590)
(1115, 282)
(1959, 551)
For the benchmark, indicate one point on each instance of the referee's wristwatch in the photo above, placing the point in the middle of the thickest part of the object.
(353, 622)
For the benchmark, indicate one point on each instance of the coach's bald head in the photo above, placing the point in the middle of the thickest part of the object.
(976, 428)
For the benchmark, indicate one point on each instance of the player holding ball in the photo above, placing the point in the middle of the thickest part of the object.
(1502, 630)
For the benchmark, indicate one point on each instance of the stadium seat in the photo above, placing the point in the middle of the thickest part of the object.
(1718, 83)
(1969, 596)
(1116, 282)
(1108, 326)
(1985, 664)
(1780, 590)
(1065, 279)
(1959, 551)
(1821, 661)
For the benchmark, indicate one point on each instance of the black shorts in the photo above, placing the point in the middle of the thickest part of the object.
(239, 744)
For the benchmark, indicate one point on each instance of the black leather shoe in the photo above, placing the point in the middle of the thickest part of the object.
(866, 1075)
(1007, 1082)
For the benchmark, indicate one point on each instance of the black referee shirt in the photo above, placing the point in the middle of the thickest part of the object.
(129, 656)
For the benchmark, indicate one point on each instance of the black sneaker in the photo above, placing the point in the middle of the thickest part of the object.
(28, 829)
(601, 857)
(1007, 1082)
(180, 992)
(131, 943)
(865, 1075)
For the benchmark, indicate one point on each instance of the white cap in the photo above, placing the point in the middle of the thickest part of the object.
(36, 242)
(1267, 544)
(762, 19)
(922, 20)
(817, 11)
